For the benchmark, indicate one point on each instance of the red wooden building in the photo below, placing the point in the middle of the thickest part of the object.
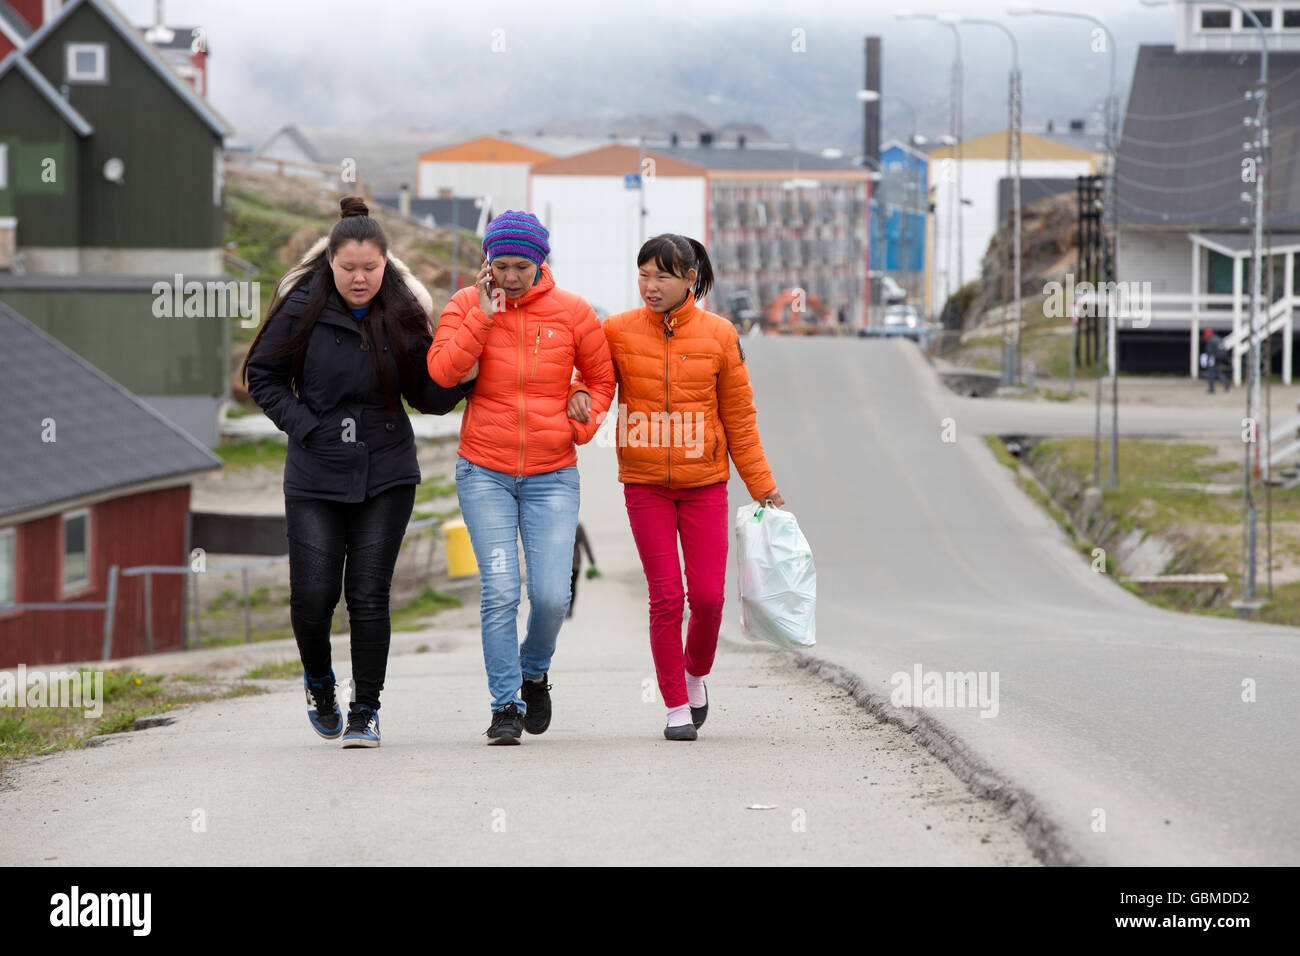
(90, 478)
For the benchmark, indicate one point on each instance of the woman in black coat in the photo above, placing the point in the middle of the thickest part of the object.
(345, 340)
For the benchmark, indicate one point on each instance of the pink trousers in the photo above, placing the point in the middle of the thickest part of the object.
(659, 516)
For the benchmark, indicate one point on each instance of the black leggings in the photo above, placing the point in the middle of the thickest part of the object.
(369, 534)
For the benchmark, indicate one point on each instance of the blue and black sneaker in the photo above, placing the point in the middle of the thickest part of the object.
(324, 714)
(363, 727)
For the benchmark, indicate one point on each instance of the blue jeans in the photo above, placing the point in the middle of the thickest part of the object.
(499, 509)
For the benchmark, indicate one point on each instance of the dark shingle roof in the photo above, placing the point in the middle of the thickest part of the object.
(105, 437)
(1181, 149)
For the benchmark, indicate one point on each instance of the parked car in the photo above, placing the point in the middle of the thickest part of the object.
(904, 321)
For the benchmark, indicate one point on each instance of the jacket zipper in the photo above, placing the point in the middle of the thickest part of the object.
(536, 346)
(522, 360)
(668, 400)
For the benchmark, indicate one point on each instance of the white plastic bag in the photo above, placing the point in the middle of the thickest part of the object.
(778, 582)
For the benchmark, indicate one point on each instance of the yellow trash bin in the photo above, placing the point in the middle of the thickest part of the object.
(460, 553)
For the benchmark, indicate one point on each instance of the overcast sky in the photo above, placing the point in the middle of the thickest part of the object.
(427, 64)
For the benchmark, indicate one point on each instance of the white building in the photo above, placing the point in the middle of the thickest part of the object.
(954, 259)
(591, 206)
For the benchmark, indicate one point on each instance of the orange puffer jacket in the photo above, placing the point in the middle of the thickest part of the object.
(515, 421)
(685, 401)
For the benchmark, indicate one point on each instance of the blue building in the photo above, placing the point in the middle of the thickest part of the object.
(898, 214)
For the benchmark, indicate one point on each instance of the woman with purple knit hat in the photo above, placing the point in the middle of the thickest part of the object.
(516, 474)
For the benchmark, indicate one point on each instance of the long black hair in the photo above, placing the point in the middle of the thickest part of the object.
(395, 315)
(678, 255)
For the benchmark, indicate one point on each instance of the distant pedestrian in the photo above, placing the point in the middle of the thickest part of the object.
(344, 341)
(517, 474)
(1215, 360)
(580, 544)
(682, 376)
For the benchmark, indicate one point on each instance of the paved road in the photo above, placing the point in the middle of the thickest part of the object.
(602, 786)
(928, 554)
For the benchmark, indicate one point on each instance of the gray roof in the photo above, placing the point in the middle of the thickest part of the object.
(105, 436)
(1244, 242)
(14, 20)
(146, 51)
(1181, 149)
(756, 158)
(298, 138)
(16, 60)
(462, 209)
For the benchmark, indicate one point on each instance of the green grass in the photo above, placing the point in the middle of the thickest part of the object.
(125, 697)
(1000, 452)
(244, 454)
(276, 670)
(433, 488)
(409, 617)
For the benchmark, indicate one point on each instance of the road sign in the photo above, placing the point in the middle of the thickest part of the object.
(631, 180)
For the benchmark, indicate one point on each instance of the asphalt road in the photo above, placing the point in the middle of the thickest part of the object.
(1122, 727)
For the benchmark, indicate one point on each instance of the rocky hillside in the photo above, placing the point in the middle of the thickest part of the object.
(271, 220)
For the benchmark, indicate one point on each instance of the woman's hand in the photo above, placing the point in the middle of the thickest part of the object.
(470, 375)
(579, 407)
(773, 496)
(483, 282)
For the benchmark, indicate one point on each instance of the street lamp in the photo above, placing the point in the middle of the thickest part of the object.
(955, 117)
(873, 96)
(1013, 161)
(1260, 96)
(1109, 203)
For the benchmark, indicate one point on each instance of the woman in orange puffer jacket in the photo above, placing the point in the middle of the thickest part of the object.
(516, 475)
(685, 405)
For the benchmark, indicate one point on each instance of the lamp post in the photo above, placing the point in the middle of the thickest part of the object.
(1109, 203)
(1012, 375)
(955, 117)
(1260, 96)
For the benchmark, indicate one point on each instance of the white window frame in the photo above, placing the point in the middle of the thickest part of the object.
(72, 50)
(10, 535)
(4, 165)
(73, 587)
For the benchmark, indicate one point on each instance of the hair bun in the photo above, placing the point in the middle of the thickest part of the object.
(353, 206)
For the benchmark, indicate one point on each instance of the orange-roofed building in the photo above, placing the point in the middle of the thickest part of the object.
(591, 205)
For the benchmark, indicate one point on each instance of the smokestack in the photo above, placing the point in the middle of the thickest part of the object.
(871, 111)
(404, 199)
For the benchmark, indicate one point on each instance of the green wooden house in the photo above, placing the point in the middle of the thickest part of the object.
(110, 184)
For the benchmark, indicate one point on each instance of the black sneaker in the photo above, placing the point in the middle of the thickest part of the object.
(363, 727)
(698, 714)
(507, 726)
(537, 701)
(684, 732)
(324, 714)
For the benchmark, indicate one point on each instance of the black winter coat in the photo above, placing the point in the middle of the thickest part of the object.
(344, 444)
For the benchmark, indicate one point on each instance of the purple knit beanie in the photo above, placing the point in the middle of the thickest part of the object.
(517, 234)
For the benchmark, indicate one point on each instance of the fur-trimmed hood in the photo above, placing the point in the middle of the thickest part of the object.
(294, 276)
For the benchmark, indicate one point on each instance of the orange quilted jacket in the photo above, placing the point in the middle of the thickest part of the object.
(515, 420)
(685, 401)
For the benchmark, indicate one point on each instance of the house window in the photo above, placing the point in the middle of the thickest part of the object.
(87, 63)
(1265, 20)
(76, 550)
(1291, 19)
(4, 165)
(8, 567)
(1216, 19)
